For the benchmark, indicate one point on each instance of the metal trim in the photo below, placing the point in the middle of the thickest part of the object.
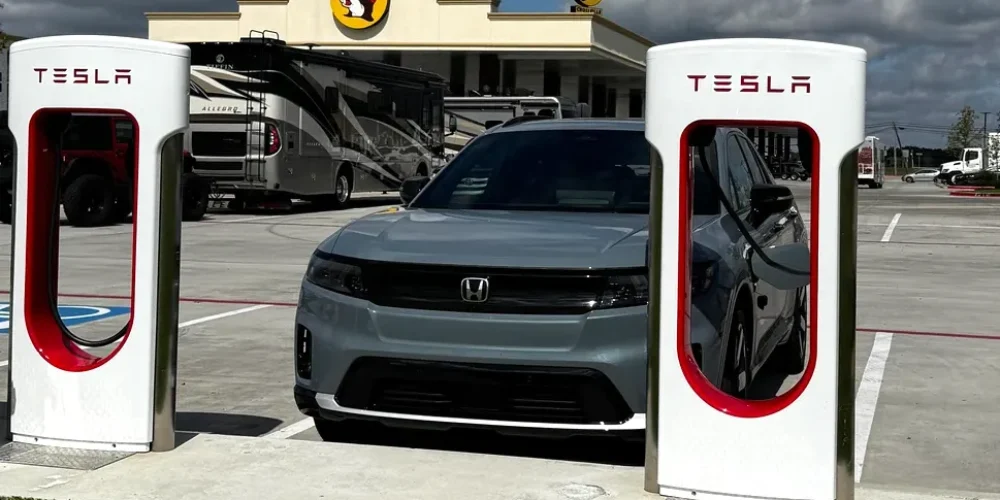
(8, 433)
(167, 294)
(847, 333)
(653, 252)
(329, 402)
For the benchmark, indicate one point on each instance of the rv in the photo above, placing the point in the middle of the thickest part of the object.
(474, 115)
(871, 164)
(275, 123)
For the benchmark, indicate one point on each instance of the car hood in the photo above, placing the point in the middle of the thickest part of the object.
(496, 238)
(953, 164)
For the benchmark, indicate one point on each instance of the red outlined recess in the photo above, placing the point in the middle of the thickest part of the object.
(689, 367)
(45, 331)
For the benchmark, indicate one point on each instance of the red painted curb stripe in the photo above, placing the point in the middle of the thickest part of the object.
(251, 302)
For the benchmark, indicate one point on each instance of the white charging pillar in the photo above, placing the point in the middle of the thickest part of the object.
(701, 443)
(63, 395)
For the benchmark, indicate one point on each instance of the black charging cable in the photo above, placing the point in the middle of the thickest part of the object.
(717, 187)
(53, 243)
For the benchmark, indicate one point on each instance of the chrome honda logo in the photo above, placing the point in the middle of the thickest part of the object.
(475, 289)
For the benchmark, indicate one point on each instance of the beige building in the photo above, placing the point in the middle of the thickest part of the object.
(582, 56)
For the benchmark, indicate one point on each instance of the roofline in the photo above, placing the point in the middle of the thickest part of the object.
(207, 16)
(561, 16)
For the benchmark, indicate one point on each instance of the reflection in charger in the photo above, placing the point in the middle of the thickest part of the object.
(750, 267)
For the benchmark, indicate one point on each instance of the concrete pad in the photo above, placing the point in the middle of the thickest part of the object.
(936, 419)
(223, 467)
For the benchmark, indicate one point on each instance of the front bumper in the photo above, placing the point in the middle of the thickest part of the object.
(530, 374)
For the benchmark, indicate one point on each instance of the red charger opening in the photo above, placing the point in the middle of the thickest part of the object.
(48, 333)
(689, 361)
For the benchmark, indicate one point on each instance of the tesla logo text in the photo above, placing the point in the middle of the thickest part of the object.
(752, 83)
(84, 76)
(475, 289)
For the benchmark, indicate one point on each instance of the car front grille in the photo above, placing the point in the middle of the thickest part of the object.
(514, 291)
(483, 392)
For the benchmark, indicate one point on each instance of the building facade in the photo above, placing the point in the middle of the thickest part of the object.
(477, 48)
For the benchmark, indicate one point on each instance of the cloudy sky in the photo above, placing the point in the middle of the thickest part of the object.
(928, 58)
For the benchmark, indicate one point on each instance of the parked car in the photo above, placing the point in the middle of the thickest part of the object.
(511, 293)
(926, 174)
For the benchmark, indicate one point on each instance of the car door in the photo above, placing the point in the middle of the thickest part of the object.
(780, 229)
(741, 182)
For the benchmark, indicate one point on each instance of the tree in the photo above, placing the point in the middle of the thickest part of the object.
(963, 133)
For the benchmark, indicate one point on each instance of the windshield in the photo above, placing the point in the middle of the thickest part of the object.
(560, 170)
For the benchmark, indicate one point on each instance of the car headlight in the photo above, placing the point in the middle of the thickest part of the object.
(624, 291)
(327, 272)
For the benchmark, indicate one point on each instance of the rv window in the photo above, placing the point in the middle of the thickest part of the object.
(333, 98)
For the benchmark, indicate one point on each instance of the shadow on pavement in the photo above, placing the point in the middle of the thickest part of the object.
(224, 423)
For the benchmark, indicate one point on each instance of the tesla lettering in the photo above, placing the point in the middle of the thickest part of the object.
(753, 83)
(84, 76)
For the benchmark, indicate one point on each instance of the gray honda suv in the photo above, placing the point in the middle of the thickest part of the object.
(511, 293)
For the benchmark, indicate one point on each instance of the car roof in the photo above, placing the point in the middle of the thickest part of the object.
(629, 124)
(626, 124)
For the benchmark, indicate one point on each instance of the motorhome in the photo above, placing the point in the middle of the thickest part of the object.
(474, 115)
(871, 164)
(275, 123)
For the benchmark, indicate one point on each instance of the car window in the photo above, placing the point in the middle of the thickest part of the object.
(563, 170)
(90, 133)
(739, 174)
(758, 170)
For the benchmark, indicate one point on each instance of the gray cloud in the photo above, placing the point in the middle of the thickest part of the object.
(928, 58)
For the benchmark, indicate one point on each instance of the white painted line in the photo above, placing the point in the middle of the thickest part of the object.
(867, 398)
(892, 227)
(4, 363)
(246, 219)
(214, 317)
(291, 430)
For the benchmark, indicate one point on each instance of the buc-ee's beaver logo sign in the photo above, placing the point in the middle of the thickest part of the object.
(359, 14)
(588, 3)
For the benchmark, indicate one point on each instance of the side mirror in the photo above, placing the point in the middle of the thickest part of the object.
(411, 188)
(493, 123)
(794, 258)
(452, 124)
(770, 199)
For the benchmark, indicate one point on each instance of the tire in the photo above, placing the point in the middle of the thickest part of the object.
(951, 178)
(334, 431)
(738, 355)
(909, 180)
(6, 207)
(791, 357)
(194, 197)
(344, 187)
(89, 201)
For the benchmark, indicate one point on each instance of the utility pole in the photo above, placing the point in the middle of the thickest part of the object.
(985, 137)
(899, 143)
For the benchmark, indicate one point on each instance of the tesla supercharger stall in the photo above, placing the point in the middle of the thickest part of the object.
(703, 443)
(61, 394)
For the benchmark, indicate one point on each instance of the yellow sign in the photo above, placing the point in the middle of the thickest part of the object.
(361, 14)
(589, 6)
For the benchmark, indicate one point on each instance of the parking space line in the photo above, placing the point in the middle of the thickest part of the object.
(214, 317)
(291, 430)
(866, 399)
(892, 227)
(4, 363)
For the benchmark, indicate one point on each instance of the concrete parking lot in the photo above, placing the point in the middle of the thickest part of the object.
(927, 357)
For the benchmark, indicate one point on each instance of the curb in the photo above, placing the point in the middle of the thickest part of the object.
(971, 193)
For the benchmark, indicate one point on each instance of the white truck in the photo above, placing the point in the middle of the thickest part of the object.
(871, 164)
(974, 159)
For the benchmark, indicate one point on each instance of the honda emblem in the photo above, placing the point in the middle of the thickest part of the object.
(475, 290)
